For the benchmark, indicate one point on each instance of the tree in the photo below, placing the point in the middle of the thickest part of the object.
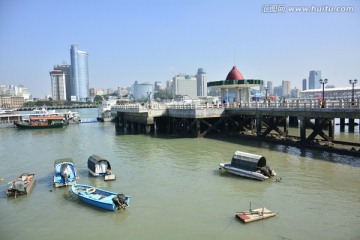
(98, 99)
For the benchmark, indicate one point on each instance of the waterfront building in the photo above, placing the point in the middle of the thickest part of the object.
(304, 84)
(184, 85)
(79, 74)
(295, 93)
(15, 91)
(269, 85)
(314, 77)
(286, 89)
(96, 92)
(66, 68)
(123, 92)
(58, 85)
(235, 88)
(278, 91)
(331, 93)
(143, 91)
(201, 83)
(11, 101)
(110, 91)
(169, 86)
(157, 86)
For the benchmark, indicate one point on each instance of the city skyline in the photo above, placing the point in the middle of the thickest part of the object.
(154, 41)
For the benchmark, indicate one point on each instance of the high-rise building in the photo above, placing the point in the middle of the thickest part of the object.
(278, 91)
(67, 70)
(185, 85)
(58, 85)
(286, 89)
(314, 77)
(201, 82)
(269, 85)
(304, 84)
(79, 74)
(158, 86)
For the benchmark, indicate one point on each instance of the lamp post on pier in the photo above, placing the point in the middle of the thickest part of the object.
(353, 82)
(149, 95)
(323, 82)
(266, 98)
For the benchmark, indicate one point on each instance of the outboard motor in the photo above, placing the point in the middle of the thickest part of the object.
(266, 171)
(64, 172)
(120, 201)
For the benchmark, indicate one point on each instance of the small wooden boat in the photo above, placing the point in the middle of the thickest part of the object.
(42, 122)
(64, 172)
(100, 167)
(101, 198)
(21, 185)
(248, 165)
(255, 215)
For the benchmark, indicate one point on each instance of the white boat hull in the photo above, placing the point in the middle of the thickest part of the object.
(242, 172)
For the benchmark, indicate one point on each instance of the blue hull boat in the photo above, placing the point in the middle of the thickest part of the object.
(101, 198)
(64, 172)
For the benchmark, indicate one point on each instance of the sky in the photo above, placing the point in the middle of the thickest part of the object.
(148, 41)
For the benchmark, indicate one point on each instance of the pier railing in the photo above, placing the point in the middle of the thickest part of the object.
(333, 104)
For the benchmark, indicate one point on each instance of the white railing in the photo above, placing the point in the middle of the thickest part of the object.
(333, 104)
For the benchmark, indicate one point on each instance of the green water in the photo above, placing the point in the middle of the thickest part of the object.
(176, 188)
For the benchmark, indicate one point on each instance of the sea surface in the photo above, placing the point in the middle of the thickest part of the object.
(176, 187)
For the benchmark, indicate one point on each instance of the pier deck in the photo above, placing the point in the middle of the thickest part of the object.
(316, 125)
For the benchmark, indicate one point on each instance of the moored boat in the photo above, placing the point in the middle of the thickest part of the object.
(42, 122)
(104, 111)
(248, 165)
(21, 185)
(255, 215)
(8, 120)
(64, 172)
(70, 116)
(100, 167)
(100, 197)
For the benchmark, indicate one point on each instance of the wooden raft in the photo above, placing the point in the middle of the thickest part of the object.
(255, 215)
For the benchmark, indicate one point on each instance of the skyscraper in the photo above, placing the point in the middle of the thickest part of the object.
(79, 74)
(314, 77)
(304, 84)
(269, 85)
(58, 85)
(201, 82)
(286, 89)
(67, 70)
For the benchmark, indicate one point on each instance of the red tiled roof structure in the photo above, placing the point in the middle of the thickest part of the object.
(234, 74)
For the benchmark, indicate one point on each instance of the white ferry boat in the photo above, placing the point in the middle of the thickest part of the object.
(7, 118)
(104, 112)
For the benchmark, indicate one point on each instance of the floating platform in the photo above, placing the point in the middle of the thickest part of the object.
(110, 177)
(255, 215)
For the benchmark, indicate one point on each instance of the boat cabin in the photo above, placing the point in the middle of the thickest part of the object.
(46, 121)
(248, 161)
(98, 166)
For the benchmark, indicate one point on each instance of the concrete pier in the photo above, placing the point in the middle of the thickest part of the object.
(316, 124)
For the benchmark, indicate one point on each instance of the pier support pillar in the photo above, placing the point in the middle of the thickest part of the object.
(286, 126)
(293, 121)
(302, 130)
(258, 125)
(331, 129)
(351, 125)
(198, 128)
(342, 124)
